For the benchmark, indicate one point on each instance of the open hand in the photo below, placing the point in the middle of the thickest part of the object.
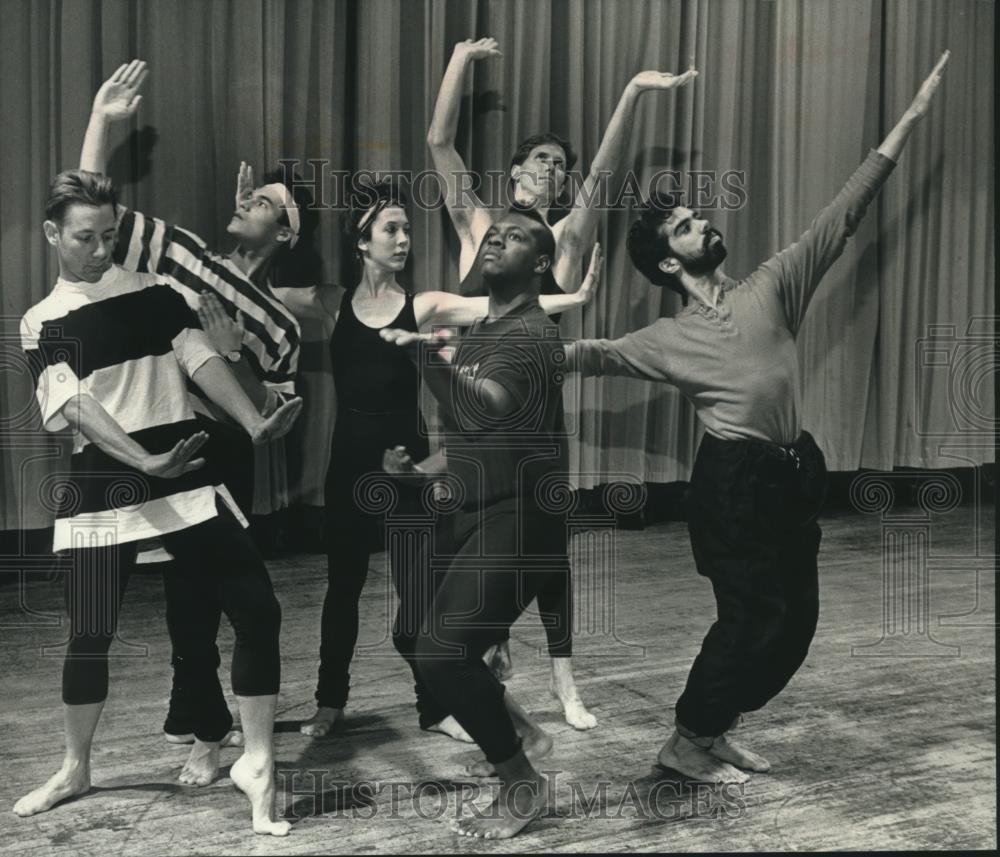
(926, 92)
(244, 183)
(225, 334)
(118, 98)
(169, 465)
(662, 80)
(593, 279)
(278, 424)
(478, 50)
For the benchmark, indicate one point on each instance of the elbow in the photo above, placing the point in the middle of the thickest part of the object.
(436, 141)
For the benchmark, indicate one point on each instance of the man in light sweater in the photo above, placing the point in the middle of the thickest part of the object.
(759, 479)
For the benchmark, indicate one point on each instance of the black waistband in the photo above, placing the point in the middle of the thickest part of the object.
(790, 452)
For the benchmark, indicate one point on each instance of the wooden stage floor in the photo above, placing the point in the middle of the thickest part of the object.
(889, 746)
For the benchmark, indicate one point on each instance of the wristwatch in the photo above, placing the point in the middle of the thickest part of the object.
(234, 356)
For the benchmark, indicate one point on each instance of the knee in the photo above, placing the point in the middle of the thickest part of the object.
(263, 624)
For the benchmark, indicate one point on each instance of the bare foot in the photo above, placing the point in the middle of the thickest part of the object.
(512, 810)
(321, 722)
(740, 757)
(202, 766)
(695, 762)
(498, 659)
(563, 687)
(537, 745)
(71, 780)
(452, 728)
(256, 781)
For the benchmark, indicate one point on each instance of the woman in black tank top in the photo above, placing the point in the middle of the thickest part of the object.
(377, 389)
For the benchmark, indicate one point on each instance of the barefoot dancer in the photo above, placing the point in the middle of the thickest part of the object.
(758, 480)
(259, 339)
(538, 170)
(377, 408)
(505, 442)
(111, 350)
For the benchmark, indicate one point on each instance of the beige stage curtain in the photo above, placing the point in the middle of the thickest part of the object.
(792, 94)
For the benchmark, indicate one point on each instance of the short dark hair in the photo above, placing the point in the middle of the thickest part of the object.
(543, 234)
(529, 143)
(648, 245)
(299, 190)
(79, 186)
(302, 264)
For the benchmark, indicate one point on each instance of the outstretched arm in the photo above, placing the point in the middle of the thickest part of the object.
(575, 230)
(447, 308)
(87, 416)
(117, 99)
(795, 272)
(892, 145)
(463, 205)
(220, 385)
(433, 354)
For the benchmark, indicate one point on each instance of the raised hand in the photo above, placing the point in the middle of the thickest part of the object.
(922, 101)
(278, 424)
(478, 50)
(169, 465)
(118, 98)
(244, 183)
(225, 334)
(593, 279)
(662, 80)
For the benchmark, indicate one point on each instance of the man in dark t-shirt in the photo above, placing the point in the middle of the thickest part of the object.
(505, 457)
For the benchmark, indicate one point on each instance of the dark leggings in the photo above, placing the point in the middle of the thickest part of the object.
(193, 623)
(485, 589)
(214, 560)
(355, 527)
(555, 600)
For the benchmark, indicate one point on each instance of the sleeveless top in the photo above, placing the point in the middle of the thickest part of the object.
(371, 375)
(474, 286)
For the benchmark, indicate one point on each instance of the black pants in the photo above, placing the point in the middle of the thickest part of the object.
(215, 560)
(486, 587)
(752, 521)
(354, 529)
(193, 623)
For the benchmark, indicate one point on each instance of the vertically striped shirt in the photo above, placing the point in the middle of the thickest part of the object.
(271, 338)
(129, 341)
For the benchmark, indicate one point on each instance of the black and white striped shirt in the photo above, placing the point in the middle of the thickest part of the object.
(271, 338)
(129, 341)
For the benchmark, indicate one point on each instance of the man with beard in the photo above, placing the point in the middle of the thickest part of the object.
(758, 479)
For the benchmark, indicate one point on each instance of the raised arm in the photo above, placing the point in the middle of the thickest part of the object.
(467, 212)
(795, 272)
(116, 100)
(447, 308)
(892, 145)
(575, 231)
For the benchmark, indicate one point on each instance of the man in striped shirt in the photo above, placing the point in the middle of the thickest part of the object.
(110, 350)
(259, 338)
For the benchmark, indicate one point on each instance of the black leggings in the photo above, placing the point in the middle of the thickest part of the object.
(193, 623)
(486, 587)
(355, 527)
(213, 560)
